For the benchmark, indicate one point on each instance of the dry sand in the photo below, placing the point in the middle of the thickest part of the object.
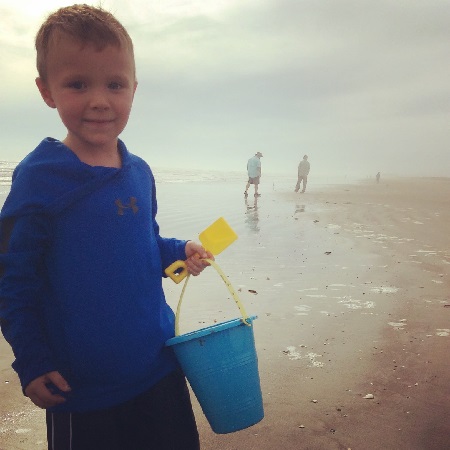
(351, 288)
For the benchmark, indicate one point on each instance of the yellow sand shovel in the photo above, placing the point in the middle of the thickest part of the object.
(216, 238)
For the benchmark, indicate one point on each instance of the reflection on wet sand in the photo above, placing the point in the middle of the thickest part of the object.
(299, 209)
(251, 214)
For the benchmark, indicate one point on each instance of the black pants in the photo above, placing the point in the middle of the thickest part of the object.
(159, 419)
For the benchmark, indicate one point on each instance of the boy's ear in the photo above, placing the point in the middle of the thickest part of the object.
(45, 92)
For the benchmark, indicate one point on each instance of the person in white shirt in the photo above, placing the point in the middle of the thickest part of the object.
(254, 173)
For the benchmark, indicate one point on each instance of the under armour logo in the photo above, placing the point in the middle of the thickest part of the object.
(121, 207)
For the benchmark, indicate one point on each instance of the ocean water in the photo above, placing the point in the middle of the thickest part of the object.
(6, 170)
(189, 200)
(183, 176)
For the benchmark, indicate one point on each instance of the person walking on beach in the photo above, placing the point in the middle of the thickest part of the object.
(377, 177)
(82, 259)
(303, 171)
(254, 173)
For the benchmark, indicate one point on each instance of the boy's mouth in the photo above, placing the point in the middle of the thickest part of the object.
(98, 121)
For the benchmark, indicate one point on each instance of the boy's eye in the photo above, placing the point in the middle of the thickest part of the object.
(77, 85)
(114, 85)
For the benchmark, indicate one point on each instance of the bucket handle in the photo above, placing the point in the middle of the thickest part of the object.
(245, 318)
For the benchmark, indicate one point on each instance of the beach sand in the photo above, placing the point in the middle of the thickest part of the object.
(350, 284)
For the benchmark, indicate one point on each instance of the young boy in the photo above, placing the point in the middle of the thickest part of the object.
(81, 298)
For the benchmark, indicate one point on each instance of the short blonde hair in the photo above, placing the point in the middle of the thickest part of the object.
(84, 23)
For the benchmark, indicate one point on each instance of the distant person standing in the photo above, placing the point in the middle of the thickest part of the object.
(303, 171)
(377, 176)
(254, 173)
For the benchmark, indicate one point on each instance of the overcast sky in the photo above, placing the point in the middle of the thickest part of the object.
(360, 86)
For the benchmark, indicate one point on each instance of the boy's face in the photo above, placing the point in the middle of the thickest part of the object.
(92, 90)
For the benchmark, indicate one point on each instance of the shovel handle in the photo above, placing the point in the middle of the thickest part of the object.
(171, 271)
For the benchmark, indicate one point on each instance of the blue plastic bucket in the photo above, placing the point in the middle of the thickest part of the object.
(221, 365)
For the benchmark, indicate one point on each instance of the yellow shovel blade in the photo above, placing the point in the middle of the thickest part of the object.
(218, 236)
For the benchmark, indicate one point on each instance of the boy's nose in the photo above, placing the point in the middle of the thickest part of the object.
(99, 99)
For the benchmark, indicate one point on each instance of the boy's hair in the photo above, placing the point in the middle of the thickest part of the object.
(85, 24)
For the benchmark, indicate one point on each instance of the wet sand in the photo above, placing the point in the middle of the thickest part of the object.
(351, 288)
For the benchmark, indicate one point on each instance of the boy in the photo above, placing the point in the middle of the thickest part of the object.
(81, 298)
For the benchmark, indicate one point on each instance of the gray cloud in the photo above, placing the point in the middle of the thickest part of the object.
(362, 85)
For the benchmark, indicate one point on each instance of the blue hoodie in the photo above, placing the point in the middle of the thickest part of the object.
(82, 264)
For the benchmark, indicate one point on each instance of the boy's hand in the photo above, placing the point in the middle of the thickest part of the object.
(195, 253)
(43, 391)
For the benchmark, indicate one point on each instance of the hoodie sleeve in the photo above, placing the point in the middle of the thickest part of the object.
(21, 286)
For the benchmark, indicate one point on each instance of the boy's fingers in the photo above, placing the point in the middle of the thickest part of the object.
(59, 381)
(195, 265)
(196, 262)
(41, 394)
